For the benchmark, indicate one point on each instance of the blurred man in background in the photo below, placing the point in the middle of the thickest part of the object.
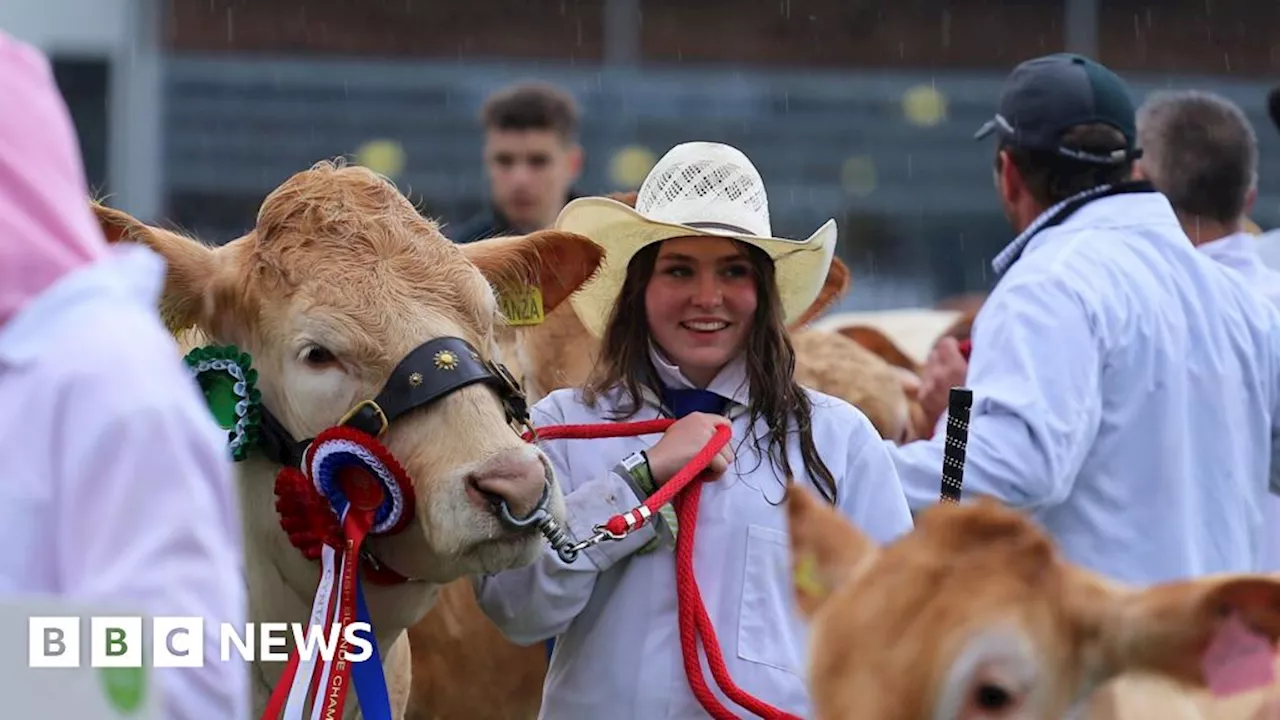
(532, 159)
(1201, 152)
(116, 483)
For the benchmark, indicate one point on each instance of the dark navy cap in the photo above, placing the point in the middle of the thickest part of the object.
(1045, 97)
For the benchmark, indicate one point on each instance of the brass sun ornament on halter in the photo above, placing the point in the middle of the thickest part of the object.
(446, 360)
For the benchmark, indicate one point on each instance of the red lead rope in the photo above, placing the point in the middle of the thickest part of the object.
(695, 623)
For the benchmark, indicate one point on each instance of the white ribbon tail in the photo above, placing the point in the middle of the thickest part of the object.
(294, 709)
(317, 705)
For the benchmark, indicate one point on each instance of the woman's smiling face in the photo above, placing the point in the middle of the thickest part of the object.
(700, 303)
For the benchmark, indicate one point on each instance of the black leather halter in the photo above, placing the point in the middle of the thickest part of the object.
(429, 372)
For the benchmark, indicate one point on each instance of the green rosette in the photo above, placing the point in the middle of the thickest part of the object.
(226, 376)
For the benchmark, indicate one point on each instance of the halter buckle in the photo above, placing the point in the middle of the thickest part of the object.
(377, 412)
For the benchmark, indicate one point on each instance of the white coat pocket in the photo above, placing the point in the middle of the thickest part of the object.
(770, 631)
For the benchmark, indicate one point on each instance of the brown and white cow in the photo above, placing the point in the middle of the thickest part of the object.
(337, 282)
(903, 338)
(975, 615)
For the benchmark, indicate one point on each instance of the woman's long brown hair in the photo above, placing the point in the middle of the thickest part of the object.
(771, 360)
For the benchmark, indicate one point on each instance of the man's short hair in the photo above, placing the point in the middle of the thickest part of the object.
(532, 106)
(1051, 177)
(1202, 153)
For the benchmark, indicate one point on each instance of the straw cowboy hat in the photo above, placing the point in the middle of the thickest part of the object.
(696, 189)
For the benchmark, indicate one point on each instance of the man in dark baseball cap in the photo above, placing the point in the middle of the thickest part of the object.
(1066, 132)
(1121, 379)
(1047, 97)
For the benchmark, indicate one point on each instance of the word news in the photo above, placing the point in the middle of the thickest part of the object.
(55, 642)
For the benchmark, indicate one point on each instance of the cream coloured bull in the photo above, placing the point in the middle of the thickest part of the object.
(339, 280)
(974, 615)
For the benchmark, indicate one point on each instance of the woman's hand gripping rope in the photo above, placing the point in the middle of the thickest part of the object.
(618, 526)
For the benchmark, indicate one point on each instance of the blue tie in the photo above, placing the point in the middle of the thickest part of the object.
(682, 401)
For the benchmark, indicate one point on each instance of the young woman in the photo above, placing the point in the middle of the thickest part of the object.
(692, 303)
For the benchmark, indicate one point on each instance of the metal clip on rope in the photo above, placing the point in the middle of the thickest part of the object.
(559, 539)
(617, 527)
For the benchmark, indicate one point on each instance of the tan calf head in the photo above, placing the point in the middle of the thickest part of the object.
(337, 282)
(974, 615)
(903, 339)
(832, 363)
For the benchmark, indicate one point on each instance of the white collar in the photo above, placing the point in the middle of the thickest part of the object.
(731, 382)
(1239, 250)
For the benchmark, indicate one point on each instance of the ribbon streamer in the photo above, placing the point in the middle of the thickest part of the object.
(370, 684)
(321, 611)
(335, 686)
(370, 494)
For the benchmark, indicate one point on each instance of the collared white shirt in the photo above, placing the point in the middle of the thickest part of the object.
(614, 613)
(1240, 252)
(1125, 391)
(116, 485)
(1268, 244)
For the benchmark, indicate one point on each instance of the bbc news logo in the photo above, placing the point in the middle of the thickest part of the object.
(55, 642)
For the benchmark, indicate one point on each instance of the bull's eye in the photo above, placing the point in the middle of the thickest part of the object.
(317, 356)
(992, 697)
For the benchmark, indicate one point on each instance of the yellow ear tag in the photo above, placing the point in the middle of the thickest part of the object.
(522, 305)
(806, 577)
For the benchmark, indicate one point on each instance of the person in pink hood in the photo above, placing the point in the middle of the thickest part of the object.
(116, 484)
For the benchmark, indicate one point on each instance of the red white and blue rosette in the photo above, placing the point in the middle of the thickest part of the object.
(369, 493)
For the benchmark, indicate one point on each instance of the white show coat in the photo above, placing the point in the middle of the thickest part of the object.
(1240, 252)
(1125, 393)
(116, 485)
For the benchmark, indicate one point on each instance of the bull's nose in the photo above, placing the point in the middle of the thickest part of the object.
(516, 476)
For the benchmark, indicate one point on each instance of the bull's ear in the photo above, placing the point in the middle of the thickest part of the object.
(191, 267)
(626, 197)
(555, 262)
(833, 288)
(1218, 633)
(826, 549)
